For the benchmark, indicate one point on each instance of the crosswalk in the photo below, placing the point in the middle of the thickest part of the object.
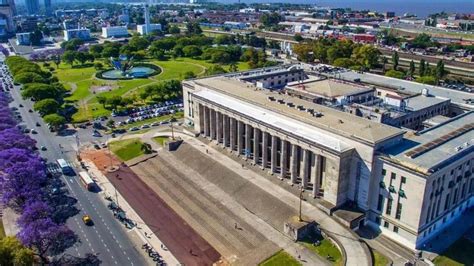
(54, 168)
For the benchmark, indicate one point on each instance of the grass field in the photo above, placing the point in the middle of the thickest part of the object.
(459, 253)
(2, 230)
(326, 249)
(281, 258)
(81, 80)
(127, 149)
(379, 259)
(160, 140)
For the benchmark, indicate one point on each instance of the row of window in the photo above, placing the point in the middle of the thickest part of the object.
(386, 224)
(388, 210)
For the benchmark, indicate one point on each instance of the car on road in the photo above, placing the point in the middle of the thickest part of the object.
(38, 124)
(87, 220)
(96, 146)
(30, 111)
(145, 126)
(26, 130)
(21, 105)
(103, 145)
(33, 131)
(133, 129)
(43, 148)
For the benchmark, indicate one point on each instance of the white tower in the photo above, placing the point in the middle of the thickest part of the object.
(147, 19)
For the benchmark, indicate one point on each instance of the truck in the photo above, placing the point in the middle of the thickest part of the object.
(86, 180)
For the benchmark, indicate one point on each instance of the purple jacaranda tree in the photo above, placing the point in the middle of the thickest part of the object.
(46, 238)
(13, 138)
(33, 211)
(23, 174)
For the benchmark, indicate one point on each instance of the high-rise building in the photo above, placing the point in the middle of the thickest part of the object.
(147, 19)
(7, 11)
(32, 7)
(47, 7)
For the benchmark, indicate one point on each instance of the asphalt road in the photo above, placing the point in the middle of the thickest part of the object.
(107, 238)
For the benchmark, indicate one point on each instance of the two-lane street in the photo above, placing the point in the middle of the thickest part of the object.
(107, 238)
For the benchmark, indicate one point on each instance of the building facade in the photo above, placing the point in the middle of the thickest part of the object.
(32, 7)
(334, 156)
(83, 34)
(117, 31)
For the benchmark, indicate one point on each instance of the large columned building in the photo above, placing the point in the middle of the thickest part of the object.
(336, 156)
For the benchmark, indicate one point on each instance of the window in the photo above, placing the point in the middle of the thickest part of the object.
(377, 220)
(391, 189)
(398, 214)
(395, 229)
(404, 180)
(382, 184)
(384, 172)
(385, 224)
(402, 193)
(446, 202)
(393, 176)
(389, 206)
(380, 203)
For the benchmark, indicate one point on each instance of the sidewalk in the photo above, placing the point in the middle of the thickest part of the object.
(141, 228)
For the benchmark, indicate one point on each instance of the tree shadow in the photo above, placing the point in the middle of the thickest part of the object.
(62, 204)
(68, 259)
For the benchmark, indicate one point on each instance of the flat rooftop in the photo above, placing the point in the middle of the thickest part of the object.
(457, 97)
(435, 147)
(248, 97)
(328, 88)
(421, 102)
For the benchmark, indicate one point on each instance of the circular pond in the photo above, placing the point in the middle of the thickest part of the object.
(134, 72)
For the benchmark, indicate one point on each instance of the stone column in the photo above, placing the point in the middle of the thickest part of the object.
(273, 159)
(240, 137)
(213, 124)
(256, 145)
(218, 127)
(232, 133)
(264, 149)
(284, 158)
(316, 174)
(206, 121)
(305, 167)
(294, 163)
(248, 143)
(225, 130)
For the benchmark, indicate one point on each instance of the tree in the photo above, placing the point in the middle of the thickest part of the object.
(423, 40)
(395, 74)
(56, 121)
(270, 19)
(146, 148)
(114, 101)
(366, 56)
(343, 62)
(440, 71)
(233, 67)
(40, 91)
(422, 70)
(101, 99)
(298, 37)
(96, 50)
(174, 30)
(98, 65)
(12, 138)
(81, 57)
(192, 51)
(193, 27)
(138, 43)
(384, 63)
(189, 75)
(427, 80)
(12, 252)
(411, 69)
(47, 238)
(214, 70)
(46, 106)
(28, 77)
(395, 59)
(69, 57)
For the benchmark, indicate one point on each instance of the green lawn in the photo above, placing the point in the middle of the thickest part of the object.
(81, 79)
(281, 258)
(379, 259)
(160, 140)
(459, 253)
(324, 249)
(127, 149)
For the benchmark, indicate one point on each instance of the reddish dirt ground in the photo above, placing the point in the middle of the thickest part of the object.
(182, 240)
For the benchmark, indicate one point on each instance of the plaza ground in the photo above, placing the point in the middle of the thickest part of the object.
(84, 86)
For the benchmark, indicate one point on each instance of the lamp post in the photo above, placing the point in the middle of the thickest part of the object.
(301, 200)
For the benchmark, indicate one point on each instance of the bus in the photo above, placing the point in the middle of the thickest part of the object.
(65, 167)
(86, 180)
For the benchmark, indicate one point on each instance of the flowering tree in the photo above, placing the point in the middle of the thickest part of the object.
(47, 238)
(13, 138)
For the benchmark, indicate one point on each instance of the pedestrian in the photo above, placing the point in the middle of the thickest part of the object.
(161, 246)
(146, 235)
(299, 257)
(235, 225)
(207, 151)
(190, 251)
(242, 165)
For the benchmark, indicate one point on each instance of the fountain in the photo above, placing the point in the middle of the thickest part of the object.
(124, 68)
